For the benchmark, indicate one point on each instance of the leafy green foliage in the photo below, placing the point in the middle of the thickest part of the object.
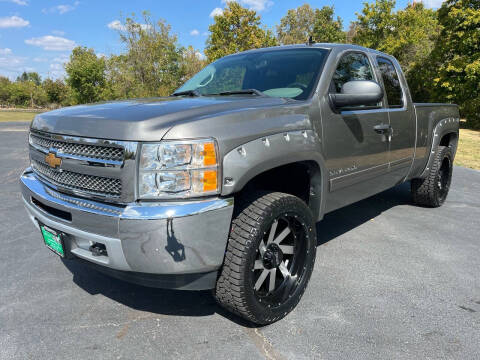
(457, 57)
(56, 91)
(326, 28)
(30, 76)
(301, 23)
(86, 75)
(191, 63)
(237, 29)
(407, 34)
(374, 24)
(152, 64)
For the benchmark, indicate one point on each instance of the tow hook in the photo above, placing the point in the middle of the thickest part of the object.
(98, 249)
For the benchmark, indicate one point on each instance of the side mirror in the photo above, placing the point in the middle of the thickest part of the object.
(356, 93)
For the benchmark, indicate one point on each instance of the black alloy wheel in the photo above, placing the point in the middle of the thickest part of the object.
(270, 257)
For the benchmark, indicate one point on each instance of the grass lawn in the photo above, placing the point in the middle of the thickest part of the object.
(468, 153)
(16, 116)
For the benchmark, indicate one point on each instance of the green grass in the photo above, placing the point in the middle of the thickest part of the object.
(468, 153)
(16, 116)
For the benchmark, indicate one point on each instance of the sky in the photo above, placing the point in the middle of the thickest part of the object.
(38, 35)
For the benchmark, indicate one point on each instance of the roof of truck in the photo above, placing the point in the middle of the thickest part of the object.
(314, 45)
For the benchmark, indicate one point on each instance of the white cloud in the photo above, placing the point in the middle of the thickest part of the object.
(63, 58)
(52, 43)
(11, 65)
(5, 51)
(194, 32)
(117, 25)
(216, 12)
(40, 59)
(199, 55)
(18, 2)
(56, 71)
(432, 3)
(62, 8)
(257, 5)
(13, 22)
(58, 32)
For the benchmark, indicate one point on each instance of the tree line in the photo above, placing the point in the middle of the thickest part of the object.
(439, 51)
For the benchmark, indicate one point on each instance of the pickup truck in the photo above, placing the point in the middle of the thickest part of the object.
(220, 185)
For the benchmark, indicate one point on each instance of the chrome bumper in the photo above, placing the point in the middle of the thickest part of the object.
(168, 238)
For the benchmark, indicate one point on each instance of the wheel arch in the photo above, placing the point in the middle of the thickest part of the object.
(289, 162)
(445, 133)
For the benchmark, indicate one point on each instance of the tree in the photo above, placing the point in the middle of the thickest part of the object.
(152, 64)
(374, 24)
(5, 84)
(56, 91)
(326, 28)
(301, 23)
(26, 93)
(296, 26)
(86, 75)
(457, 57)
(30, 76)
(237, 29)
(192, 62)
(408, 34)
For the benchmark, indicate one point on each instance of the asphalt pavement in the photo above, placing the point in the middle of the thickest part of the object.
(391, 281)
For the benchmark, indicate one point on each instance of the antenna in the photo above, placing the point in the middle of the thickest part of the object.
(310, 41)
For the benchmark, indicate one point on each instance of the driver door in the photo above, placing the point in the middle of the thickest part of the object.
(356, 154)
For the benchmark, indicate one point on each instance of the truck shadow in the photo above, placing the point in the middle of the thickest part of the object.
(201, 303)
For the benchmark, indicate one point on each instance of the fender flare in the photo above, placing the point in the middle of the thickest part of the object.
(253, 158)
(443, 127)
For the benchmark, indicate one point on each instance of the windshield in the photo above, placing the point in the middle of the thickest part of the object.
(288, 73)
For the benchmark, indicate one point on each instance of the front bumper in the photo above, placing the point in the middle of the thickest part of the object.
(174, 240)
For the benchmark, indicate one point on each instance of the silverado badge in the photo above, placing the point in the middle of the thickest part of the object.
(52, 160)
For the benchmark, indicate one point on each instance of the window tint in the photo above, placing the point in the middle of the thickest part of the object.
(352, 66)
(391, 83)
(288, 73)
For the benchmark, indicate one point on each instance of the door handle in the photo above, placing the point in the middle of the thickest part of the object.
(382, 128)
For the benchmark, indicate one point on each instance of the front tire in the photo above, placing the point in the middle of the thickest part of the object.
(269, 258)
(433, 190)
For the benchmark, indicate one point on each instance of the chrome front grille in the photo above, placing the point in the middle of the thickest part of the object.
(95, 185)
(77, 149)
(101, 169)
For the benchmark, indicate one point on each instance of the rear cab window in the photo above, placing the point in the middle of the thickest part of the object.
(391, 83)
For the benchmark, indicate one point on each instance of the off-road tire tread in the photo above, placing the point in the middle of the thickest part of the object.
(424, 191)
(250, 212)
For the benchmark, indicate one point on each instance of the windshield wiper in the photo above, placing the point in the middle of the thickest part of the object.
(187, 93)
(243, 91)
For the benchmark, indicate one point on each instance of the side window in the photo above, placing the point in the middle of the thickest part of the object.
(391, 83)
(352, 66)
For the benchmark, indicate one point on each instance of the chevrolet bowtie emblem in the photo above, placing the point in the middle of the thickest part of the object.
(52, 160)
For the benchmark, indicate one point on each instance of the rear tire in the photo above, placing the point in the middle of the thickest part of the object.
(269, 258)
(433, 190)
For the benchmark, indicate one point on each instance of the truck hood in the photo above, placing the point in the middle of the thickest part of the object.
(142, 119)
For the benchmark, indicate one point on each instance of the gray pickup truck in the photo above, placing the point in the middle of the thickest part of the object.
(219, 186)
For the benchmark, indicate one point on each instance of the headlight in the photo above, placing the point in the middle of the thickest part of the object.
(178, 169)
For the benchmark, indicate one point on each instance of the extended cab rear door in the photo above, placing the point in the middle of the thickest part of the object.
(401, 117)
